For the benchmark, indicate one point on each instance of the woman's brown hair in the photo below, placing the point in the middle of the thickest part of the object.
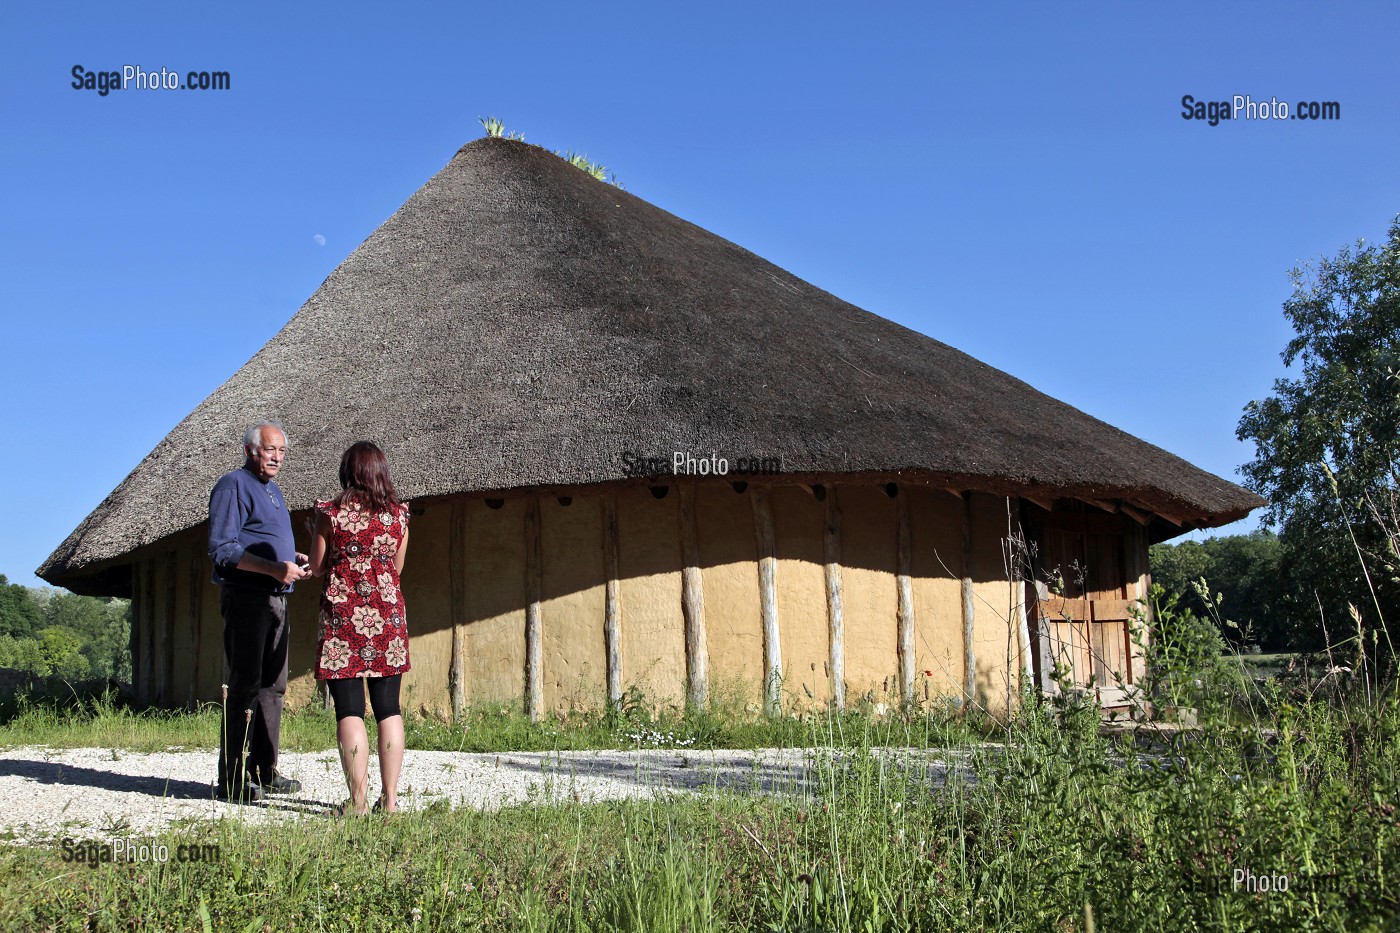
(364, 477)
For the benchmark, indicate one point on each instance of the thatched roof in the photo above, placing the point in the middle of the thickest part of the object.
(517, 323)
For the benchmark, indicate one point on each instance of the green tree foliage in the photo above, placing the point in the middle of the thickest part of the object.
(23, 654)
(104, 629)
(1328, 445)
(62, 650)
(19, 612)
(55, 633)
(1243, 570)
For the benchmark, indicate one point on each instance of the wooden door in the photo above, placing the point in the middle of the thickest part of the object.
(1089, 576)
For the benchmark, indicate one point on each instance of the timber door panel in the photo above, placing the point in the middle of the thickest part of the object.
(1083, 602)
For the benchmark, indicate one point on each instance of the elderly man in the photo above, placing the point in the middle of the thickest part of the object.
(255, 564)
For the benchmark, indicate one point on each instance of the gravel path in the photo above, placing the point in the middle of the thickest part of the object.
(96, 792)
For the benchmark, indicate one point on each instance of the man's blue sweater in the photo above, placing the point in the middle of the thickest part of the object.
(248, 515)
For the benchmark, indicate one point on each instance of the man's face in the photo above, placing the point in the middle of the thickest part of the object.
(267, 457)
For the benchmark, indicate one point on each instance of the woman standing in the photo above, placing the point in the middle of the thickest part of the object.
(359, 541)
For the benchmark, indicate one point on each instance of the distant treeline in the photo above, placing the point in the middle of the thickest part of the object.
(51, 633)
(1242, 573)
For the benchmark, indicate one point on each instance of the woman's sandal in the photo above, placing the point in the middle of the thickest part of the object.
(379, 806)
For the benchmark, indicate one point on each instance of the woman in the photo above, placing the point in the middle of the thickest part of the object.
(359, 540)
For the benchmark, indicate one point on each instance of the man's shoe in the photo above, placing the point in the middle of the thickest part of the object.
(240, 793)
(281, 785)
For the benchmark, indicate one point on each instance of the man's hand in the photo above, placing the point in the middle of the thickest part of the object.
(290, 572)
(283, 572)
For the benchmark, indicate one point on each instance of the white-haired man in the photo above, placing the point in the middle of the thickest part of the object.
(256, 564)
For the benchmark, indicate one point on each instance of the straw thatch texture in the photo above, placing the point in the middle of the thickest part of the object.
(516, 324)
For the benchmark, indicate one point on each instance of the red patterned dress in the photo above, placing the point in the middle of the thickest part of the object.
(363, 631)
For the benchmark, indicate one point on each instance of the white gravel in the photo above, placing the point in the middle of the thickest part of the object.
(46, 793)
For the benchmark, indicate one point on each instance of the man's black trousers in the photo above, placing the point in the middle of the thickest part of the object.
(255, 646)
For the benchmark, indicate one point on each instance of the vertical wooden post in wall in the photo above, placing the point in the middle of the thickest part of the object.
(148, 619)
(905, 612)
(697, 651)
(457, 613)
(534, 593)
(969, 607)
(138, 632)
(1020, 562)
(836, 622)
(196, 616)
(165, 653)
(768, 601)
(1141, 570)
(612, 608)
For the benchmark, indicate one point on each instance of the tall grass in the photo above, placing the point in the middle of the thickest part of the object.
(1053, 824)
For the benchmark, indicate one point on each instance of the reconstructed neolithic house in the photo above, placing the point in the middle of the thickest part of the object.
(533, 349)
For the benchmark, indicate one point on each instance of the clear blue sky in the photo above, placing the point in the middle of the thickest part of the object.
(1013, 179)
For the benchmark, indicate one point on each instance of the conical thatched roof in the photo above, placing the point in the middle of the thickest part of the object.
(517, 323)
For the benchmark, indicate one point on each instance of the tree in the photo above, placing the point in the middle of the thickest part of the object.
(19, 614)
(1243, 571)
(1328, 445)
(103, 629)
(63, 653)
(23, 654)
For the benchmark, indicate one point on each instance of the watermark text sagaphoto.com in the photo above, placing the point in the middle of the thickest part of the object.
(92, 853)
(1244, 107)
(684, 463)
(1243, 880)
(134, 77)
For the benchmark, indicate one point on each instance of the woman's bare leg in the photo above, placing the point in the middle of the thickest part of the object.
(350, 735)
(390, 759)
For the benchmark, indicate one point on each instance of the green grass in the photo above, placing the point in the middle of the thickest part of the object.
(105, 722)
(102, 721)
(1058, 817)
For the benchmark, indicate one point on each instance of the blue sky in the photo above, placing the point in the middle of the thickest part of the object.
(1016, 180)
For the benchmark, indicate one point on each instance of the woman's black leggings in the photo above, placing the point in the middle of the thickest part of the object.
(348, 694)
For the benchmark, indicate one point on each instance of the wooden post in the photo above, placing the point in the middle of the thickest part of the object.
(768, 601)
(165, 681)
(612, 607)
(534, 592)
(196, 616)
(148, 620)
(836, 622)
(1024, 633)
(697, 651)
(138, 631)
(905, 612)
(1137, 661)
(1045, 634)
(1020, 558)
(457, 577)
(969, 608)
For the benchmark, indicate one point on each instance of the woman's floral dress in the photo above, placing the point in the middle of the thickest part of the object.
(363, 631)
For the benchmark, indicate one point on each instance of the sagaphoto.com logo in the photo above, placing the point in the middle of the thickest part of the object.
(134, 77)
(1245, 107)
